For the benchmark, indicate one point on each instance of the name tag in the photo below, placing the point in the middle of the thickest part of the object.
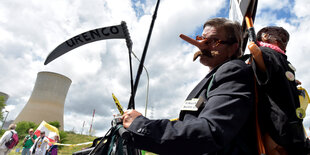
(191, 105)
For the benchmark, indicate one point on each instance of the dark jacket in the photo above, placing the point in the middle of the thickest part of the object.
(278, 101)
(223, 124)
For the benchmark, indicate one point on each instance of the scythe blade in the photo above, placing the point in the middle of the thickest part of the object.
(111, 32)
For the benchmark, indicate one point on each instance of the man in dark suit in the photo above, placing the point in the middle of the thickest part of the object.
(218, 115)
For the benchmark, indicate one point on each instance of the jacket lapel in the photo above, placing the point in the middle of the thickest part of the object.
(201, 85)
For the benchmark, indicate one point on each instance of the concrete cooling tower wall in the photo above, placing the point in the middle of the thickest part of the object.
(47, 99)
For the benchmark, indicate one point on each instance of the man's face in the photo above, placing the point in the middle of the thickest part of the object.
(220, 52)
(31, 132)
(42, 134)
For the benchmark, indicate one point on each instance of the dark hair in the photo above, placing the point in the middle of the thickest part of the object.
(232, 30)
(279, 33)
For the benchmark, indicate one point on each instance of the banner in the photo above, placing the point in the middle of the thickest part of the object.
(238, 9)
(86, 143)
(50, 131)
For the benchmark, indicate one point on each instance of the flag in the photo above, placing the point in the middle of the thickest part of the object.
(50, 131)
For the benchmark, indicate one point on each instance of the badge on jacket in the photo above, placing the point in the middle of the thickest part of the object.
(192, 105)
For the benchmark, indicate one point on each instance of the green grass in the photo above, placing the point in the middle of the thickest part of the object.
(65, 150)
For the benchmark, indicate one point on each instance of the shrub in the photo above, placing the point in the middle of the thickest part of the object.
(23, 127)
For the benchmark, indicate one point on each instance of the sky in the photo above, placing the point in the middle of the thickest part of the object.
(30, 30)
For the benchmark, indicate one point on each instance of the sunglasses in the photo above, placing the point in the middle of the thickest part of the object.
(214, 42)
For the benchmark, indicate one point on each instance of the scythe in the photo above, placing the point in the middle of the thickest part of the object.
(117, 135)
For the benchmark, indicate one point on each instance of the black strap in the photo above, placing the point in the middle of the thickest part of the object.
(35, 146)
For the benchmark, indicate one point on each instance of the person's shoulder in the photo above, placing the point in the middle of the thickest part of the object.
(235, 67)
(270, 51)
(238, 62)
(272, 57)
(235, 64)
(46, 140)
(266, 49)
(7, 132)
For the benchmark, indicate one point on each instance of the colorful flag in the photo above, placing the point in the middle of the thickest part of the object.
(50, 131)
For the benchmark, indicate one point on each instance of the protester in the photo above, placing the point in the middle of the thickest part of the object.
(53, 148)
(224, 121)
(28, 142)
(6, 137)
(279, 108)
(40, 145)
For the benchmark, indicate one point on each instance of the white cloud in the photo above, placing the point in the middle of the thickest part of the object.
(272, 5)
(301, 8)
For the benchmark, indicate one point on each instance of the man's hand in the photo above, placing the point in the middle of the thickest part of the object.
(129, 116)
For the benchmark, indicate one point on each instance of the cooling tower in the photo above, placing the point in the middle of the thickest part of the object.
(3, 97)
(47, 99)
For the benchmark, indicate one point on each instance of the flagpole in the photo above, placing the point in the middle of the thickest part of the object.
(91, 125)
(129, 46)
(82, 127)
(131, 104)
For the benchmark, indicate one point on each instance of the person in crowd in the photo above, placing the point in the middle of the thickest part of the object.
(218, 115)
(40, 145)
(6, 137)
(54, 147)
(28, 142)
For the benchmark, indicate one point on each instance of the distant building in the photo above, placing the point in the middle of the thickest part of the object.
(47, 99)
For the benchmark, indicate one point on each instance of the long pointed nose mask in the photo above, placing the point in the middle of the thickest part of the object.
(201, 45)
